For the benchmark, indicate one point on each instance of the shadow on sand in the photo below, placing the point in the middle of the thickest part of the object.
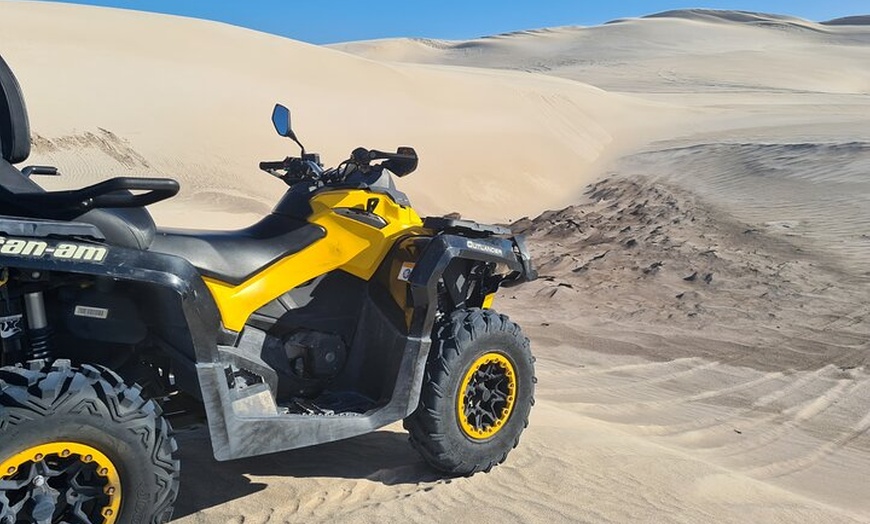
(383, 456)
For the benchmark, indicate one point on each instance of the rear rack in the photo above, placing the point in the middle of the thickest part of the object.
(464, 227)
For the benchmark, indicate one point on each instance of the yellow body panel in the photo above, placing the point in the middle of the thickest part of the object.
(488, 300)
(349, 245)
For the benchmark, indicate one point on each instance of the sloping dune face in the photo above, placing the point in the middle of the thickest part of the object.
(711, 294)
(676, 51)
(117, 92)
(703, 314)
(780, 103)
(850, 20)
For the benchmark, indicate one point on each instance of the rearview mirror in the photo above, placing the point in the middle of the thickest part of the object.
(281, 120)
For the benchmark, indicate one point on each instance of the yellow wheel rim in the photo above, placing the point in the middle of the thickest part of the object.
(61, 457)
(486, 396)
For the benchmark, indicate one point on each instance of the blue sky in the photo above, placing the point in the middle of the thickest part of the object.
(327, 21)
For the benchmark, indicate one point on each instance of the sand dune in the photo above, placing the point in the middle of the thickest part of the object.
(703, 316)
(812, 192)
(689, 369)
(677, 51)
(779, 106)
(716, 339)
(130, 73)
(850, 20)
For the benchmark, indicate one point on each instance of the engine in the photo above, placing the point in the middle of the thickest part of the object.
(306, 361)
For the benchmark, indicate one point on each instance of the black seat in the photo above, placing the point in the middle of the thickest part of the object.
(14, 125)
(129, 227)
(235, 256)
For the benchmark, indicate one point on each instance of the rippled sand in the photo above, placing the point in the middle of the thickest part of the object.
(701, 323)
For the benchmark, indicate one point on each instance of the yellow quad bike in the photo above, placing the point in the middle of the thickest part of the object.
(335, 315)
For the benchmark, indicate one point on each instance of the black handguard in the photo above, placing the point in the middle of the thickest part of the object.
(272, 166)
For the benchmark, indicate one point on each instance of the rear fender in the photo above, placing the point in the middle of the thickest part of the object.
(171, 278)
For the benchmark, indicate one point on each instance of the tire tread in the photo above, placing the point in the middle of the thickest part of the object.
(425, 425)
(40, 390)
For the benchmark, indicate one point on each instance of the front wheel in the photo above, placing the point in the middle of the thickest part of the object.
(77, 445)
(477, 393)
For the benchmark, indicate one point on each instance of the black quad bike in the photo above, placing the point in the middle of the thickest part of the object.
(337, 314)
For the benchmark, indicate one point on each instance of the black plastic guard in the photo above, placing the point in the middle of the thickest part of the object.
(444, 248)
(528, 272)
(174, 283)
(469, 232)
(246, 421)
(467, 228)
(29, 227)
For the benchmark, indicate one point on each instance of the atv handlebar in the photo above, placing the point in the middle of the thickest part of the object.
(270, 166)
(400, 163)
(295, 170)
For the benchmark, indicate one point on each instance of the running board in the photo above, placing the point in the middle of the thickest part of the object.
(244, 419)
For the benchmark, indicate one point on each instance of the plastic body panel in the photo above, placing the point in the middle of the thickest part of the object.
(354, 246)
(244, 420)
(167, 281)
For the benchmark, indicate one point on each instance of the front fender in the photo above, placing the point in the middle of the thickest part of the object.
(528, 272)
(444, 248)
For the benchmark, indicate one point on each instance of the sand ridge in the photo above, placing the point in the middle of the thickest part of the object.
(672, 52)
(719, 377)
(695, 192)
(130, 72)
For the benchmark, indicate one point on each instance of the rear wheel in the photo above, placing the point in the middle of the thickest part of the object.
(477, 393)
(77, 445)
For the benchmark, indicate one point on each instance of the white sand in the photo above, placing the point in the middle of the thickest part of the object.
(133, 73)
(737, 146)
